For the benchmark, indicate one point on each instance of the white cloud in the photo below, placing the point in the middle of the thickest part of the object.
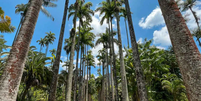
(99, 47)
(140, 40)
(99, 29)
(74, 61)
(155, 18)
(161, 37)
(61, 66)
(63, 58)
(96, 49)
(96, 24)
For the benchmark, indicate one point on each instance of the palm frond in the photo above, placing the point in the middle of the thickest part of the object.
(47, 13)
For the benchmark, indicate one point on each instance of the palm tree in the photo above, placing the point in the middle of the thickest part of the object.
(139, 73)
(22, 9)
(53, 51)
(49, 39)
(58, 55)
(82, 13)
(108, 9)
(90, 62)
(101, 57)
(34, 70)
(67, 47)
(174, 86)
(41, 42)
(10, 79)
(122, 66)
(188, 4)
(105, 40)
(3, 55)
(74, 10)
(72, 36)
(86, 39)
(63, 78)
(184, 47)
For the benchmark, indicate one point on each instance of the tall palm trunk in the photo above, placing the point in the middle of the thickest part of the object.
(76, 77)
(19, 26)
(80, 77)
(122, 66)
(83, 78)
(108, 76)
(103, 82)
(66, 90)
(106, 96)
(47, 46)
(127, 32)
(84, 81)
(112, 58)
(89, 72)
(87, 78)
(11, 77)
(72, 53)
(52, 95)
(99, 95)
(185, 49)
(40, 48)
(76, 73)
(138, 68)
(111, 79)
(81, 83)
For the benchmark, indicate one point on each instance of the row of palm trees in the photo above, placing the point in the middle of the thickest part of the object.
(184, 47)
(48, 39)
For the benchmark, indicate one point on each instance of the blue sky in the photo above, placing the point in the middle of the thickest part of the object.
(147, 19)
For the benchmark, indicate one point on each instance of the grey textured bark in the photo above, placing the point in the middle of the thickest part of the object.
(77, 60)
(111, 69)
(108, 77)
(47, 46)
(185, 49)
(87, 86)
(52, 95)
(72, 53)
(81, 66)
(127, 33)
(99, 95)
(113, 60)
(19, 26)
(40, 48)
(122, 66)
(84, 82)
(106, 93)
(80, 77)
(138, 68)
(11, 77)
(112, 82)
(103, 83)
(66, 91)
